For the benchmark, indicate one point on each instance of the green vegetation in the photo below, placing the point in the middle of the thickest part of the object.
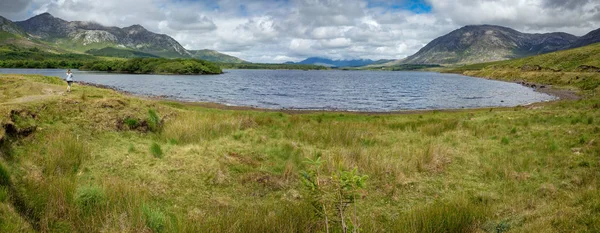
(155, 66)
(560, 61)
(270, 66)
(16, 57)
(575, 69)
(85, 162)
(116, 52)
(214, 56)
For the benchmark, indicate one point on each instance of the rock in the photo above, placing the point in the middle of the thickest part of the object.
(586, 68)
(531, 68)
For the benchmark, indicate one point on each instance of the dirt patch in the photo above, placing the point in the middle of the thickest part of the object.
(560, 93)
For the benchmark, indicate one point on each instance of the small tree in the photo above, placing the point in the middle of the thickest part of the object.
(349, 183)
(338, 194)
(310, 179)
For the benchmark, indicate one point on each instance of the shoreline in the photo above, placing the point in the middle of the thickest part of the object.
(560, 94)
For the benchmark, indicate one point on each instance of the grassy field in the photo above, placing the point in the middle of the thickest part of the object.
(98, 161)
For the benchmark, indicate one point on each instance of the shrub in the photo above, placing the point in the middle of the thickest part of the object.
(89, 198)
(131, 123)
(155, 150)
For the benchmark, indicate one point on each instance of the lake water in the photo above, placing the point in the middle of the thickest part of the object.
(322, 90)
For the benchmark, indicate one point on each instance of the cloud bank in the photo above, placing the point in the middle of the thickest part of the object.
(291, 30)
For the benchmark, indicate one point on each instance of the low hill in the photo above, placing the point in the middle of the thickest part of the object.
(214, 56)
(577, 69)
(572, 60)
(116, 52)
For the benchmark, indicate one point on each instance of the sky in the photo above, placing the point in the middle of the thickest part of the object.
(277, 31)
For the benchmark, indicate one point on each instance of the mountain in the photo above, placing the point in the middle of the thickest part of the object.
(8, 27)
(485, 43)
(214, 56)
(82, 36)
(587, 39)
(338, 63)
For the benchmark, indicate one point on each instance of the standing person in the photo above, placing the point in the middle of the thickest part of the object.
(69, 80)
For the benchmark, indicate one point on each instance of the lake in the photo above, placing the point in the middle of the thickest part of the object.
(318, 90)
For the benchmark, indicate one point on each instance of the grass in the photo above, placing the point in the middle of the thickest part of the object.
(156, 150)
(86, 168)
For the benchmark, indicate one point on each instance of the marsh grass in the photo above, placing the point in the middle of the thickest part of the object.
(481, 170)
(90, 198)
(155, 219)
(443, 216)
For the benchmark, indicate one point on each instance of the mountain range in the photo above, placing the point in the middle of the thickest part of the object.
(486, 43)
(339, 63)
(466, 45)
(79, 36)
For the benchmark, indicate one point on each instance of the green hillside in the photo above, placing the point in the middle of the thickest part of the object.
(116, 52)
(565, 60)
(12, 56)
(214, 56)
(574, 69)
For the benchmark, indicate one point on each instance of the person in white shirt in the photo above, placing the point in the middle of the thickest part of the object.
(69, 80)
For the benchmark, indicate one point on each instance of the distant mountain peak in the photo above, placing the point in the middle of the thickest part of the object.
(485, 43)
(135, 27)
(45, 16)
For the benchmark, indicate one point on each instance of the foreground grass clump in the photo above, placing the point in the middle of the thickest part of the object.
(85, 167)
(90, 198)
(156, 150)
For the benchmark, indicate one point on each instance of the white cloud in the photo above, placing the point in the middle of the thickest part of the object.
(277, 31)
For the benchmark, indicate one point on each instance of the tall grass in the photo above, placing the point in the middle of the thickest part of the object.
(194, 127)
(441, 217)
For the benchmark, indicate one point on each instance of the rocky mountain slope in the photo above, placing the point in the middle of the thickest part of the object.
(587, 39)
(87, 35)
(58, 35)
(484, 43)
(9, 27)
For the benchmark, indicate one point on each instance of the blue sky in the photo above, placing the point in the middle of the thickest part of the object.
(291, 30)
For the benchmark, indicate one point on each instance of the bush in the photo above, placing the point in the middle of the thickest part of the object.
(131, 123)
(156, 151)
